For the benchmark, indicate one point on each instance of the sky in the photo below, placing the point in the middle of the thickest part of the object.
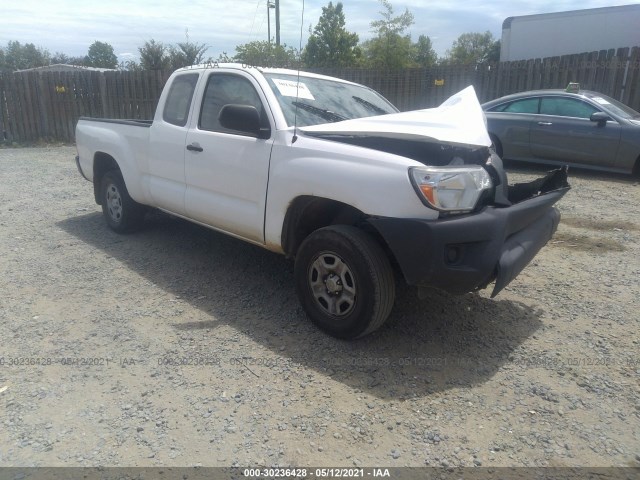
(71, 26)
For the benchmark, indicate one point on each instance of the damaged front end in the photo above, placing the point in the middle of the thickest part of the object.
(486, 230)
(466, 252)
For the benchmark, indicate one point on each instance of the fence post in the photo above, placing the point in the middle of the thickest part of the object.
(102, 85)
(44, 121)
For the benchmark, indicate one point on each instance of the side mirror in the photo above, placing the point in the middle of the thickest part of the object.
(244, 119)
(600, 117)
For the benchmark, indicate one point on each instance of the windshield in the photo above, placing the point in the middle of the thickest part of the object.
(614, 106)
(319, 100)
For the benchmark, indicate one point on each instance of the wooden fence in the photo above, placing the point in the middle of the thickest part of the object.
(46, 106)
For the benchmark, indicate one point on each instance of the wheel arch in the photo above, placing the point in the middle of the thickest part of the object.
(308, 213)
(102, 163)
(497, 144)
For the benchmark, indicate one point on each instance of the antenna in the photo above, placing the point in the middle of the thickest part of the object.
(295, 116)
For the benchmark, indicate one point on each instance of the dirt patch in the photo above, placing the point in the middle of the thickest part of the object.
(586, 244)
(599, 225)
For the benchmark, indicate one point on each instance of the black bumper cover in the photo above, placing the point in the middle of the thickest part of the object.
(465, 253)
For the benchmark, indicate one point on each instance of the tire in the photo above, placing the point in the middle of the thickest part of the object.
(496, 145)
(344, 281)
(636, 169)
(122, 213)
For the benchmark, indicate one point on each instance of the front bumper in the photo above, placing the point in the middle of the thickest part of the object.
(466, 253)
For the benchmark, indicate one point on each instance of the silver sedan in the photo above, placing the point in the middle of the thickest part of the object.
(585, 129)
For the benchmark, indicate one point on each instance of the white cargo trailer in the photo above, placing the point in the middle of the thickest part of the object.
(564, 33)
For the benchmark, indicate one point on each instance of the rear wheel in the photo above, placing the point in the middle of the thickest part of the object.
(122, 213)
(344, 281)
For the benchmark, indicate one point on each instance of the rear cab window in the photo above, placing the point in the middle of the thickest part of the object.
(178, 102)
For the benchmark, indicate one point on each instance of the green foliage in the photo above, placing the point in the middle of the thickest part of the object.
(60, 57)
(223, 58)
(330, 44)
(186, 54)
(266, 54)
(101, 55)
(423, 54)
(473, 48)
(153, 56)
(157, 56)
(16, 56)
(65, 59)
(390, 49)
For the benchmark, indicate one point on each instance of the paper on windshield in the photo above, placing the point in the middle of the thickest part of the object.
(287, 88)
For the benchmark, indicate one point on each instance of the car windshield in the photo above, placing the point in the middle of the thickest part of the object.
(321, 100)
(614, 106)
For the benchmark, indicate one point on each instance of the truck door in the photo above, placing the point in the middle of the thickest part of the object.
(226, 171)
(166, 145)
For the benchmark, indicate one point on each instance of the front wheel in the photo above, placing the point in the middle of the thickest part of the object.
(123, 214)
(344, 281)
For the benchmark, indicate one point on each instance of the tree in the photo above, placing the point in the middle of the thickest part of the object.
(390, 49)
(80, 61)
(493, 55)
(186, 54)
(153, 56)
(473, 48)
(19, 57)
(223, 58)
(101, 55)
(331, 44)
(59, 57)
(423, 53)
(266, 54)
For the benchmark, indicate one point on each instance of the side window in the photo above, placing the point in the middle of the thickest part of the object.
(224, 89)
(526, 105)
(566, 107)
(176, 107)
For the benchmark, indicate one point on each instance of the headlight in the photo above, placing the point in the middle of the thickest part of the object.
(450, 189)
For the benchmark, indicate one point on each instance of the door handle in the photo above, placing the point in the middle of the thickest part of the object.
(194, 147)
(545, 124)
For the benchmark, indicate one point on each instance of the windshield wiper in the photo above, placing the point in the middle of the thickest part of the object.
(369, 105)
(321, 112)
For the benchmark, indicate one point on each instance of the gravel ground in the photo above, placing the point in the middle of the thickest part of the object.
(179, 346)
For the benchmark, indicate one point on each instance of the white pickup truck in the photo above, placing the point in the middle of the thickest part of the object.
(329, 173)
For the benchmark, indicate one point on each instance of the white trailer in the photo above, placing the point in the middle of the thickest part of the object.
(565, 33)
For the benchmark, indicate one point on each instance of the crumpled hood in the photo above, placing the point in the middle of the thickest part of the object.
(459, 121)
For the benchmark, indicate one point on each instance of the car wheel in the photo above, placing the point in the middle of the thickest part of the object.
(344, 281)
(636, 169)
(496, 145)
(122, 213)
